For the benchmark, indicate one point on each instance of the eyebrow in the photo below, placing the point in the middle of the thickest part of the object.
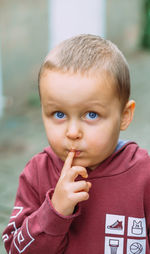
(52, 104)
(94, 103)
(89, 104)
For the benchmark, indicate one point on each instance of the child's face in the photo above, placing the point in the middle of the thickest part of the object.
(81, 113)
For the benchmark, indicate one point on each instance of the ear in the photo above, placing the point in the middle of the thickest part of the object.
(127, 115)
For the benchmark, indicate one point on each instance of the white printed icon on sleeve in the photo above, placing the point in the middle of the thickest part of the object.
(114, 224)
(115, 230)
(113, 245)
(21, 243)
(136, 227)
(136, 246)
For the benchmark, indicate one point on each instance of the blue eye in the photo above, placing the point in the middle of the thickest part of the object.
(91, 115)
(59, 115)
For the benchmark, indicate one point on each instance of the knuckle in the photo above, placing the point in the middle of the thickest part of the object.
(86, 195)
(85, 185)
(82, 169)
(74, 169)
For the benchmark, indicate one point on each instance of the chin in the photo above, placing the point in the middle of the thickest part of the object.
(80, 162)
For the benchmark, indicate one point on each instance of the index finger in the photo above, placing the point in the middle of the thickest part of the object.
(68, 161)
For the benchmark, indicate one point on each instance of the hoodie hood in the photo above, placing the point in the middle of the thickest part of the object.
(120, 161)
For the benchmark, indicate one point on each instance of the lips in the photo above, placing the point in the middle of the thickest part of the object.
(77, 152)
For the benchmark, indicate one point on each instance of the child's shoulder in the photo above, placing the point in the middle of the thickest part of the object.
(138, 154)
(43, 161)
(142, 155)
(43, 156)
(132, 157)
(141, 160)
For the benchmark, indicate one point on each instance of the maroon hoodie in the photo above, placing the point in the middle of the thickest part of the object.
(114, 220)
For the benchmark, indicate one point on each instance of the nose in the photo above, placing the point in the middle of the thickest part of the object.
(74, 130)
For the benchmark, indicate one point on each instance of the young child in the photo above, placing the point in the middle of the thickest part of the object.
(88, 193)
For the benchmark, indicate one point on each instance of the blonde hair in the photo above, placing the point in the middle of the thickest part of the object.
(87, 54)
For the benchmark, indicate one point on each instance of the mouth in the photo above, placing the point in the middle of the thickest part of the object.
(77, 152)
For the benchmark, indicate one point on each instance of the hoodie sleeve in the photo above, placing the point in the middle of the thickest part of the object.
(35, 228)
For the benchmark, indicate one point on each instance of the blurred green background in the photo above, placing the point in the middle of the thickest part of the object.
(24, 41)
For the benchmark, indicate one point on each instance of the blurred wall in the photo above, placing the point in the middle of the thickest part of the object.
(72, 17)
(24, 32)
(125, 23)
(24, 41)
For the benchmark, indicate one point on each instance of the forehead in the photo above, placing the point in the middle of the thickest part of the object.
(76, 88)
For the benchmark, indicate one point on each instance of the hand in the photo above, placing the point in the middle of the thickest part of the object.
(69, 192)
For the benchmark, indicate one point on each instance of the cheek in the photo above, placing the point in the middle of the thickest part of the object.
(102, 136)
(54, 135)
